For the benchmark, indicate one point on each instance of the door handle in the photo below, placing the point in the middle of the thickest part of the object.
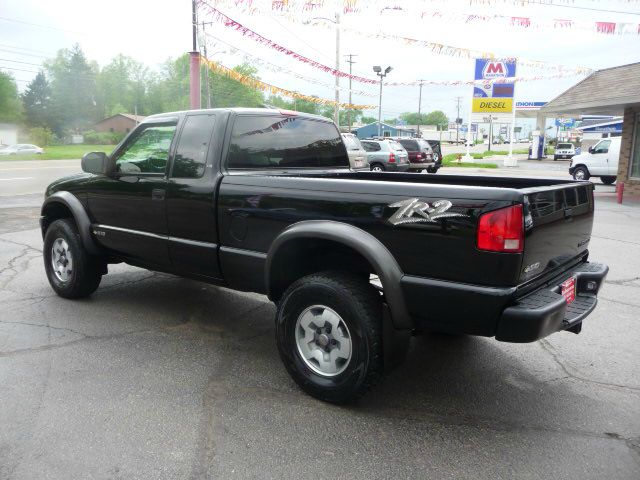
(157, 194)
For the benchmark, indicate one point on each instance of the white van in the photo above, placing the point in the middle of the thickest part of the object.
(601, 161)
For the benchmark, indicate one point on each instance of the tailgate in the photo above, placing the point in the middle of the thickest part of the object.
(558, 223)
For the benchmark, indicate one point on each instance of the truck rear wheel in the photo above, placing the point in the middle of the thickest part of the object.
(329, 335)
(71, 271)
(608, 180)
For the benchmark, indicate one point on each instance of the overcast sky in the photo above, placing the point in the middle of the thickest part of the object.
(153, 30)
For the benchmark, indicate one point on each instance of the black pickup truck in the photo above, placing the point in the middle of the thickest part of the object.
(263, 201)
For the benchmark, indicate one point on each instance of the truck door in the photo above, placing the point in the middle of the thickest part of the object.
(128, 206)
(191, 209)
(599, 164)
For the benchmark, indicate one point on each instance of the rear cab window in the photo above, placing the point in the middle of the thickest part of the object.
(285, 142)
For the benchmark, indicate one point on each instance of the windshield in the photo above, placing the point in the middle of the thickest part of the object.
(567, 146)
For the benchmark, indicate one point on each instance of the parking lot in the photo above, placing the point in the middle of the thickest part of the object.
(160, 377)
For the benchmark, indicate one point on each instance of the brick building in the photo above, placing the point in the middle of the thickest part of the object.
(120, 123)
(612, 91)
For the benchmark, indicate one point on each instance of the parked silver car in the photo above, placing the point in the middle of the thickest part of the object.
(357, 154)
(20, 148)
(386, 155)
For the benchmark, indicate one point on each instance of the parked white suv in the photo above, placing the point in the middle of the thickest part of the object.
(564, 150)
(600, 161)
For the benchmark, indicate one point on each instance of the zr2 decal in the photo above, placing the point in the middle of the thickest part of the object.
(415, 211)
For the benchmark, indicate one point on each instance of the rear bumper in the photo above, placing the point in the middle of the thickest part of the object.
(545, 311)
(421, 165)
(452, 307)
(397, 167)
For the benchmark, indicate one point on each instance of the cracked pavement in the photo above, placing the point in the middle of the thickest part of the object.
(160, 377)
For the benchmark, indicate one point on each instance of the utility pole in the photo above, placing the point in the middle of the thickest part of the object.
(350, 62)
(336, 111)
(457, 119)
(420, 107)
(194, 64)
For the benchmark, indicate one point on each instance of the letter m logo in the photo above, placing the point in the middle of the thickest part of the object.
(494, 70)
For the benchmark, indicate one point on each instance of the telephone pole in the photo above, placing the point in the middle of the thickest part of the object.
(420, 107)
(350, 62)
(458, 119)
(194, 64)
(206, 72)
(336, 111)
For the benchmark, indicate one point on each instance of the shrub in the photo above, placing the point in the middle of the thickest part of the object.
(102, 138)
(41, 136)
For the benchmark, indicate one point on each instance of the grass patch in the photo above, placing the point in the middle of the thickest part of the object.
(450, 160)
(61, 152)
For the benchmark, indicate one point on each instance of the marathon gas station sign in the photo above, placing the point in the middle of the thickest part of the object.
(490, 96)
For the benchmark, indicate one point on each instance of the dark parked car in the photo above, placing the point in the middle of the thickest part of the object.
(264, 201)
(386, 155)
(420, 154)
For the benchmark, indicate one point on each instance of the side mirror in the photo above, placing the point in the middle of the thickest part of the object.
(591, 149)
(95, 162)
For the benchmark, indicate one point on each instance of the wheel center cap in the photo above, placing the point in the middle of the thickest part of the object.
(323, 340)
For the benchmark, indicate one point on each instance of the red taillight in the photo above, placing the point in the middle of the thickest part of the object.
(420, 155)
(392, 157)
(501, 230)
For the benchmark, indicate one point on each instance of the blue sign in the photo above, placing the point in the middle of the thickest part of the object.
(565, 122)
(489, 71)
(530, 105)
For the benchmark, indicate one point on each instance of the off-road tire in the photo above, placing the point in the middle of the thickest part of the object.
(87, 269)
(360, 306)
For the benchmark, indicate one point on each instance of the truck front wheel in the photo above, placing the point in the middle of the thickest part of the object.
(71, 271)
(329, 334)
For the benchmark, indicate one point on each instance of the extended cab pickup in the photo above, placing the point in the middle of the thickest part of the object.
(264, 201)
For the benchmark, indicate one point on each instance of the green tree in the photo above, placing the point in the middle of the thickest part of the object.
(37, 101)
(10, 105)
(122, 86)
(437, 118)
(368, 120)
(41, 136)
(413, 118)
(73, 91)
(227, 92)
(328, 111)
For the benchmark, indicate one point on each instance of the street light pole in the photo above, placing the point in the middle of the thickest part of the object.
(381, 74)
(420, 107)
(194, 63)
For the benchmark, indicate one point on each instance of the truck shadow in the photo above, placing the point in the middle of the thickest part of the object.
(456, 379)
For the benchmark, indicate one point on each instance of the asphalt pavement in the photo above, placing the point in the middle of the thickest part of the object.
(160, 377)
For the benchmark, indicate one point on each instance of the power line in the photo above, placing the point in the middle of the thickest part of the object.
(17, 61)
(16, 47)
(40, 25)
(22, 53)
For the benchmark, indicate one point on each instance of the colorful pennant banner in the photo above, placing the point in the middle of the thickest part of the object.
(435, 48)
(415, 9)
(247, 32)
(254, 60)
(273, 90)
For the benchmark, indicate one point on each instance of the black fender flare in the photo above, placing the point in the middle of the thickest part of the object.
(79, 215)
(363, 242)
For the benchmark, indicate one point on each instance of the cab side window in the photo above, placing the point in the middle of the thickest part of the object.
(147, 151)
(268, 141)
(191, 155)
(602, 147)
